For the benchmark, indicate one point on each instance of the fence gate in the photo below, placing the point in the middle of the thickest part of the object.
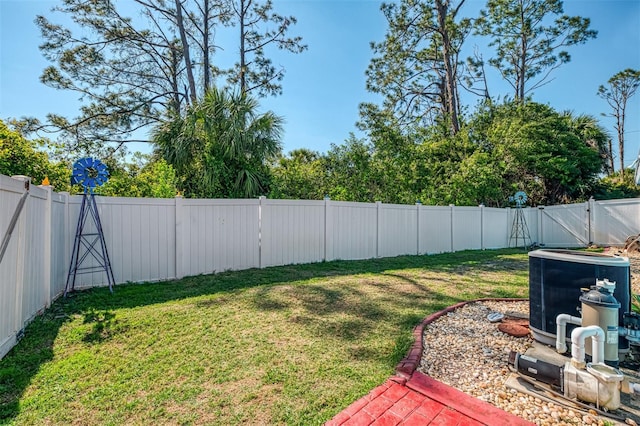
(564, 226)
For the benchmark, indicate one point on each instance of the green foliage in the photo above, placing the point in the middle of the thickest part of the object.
(539, 151)
(145, 176)
(221, 147)
(300, 175)
(615, 187)
(527, 50)
(20, 156)
(635, 303)
(554, 157)
(351, 172)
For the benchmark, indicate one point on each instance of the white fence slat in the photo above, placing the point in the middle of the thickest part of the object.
(398, 230)
(292, 232)
(616, 220)
(495, 234)
(220, 235)
(10, 192)
(467, 231)
(435, 229)
(353, 234)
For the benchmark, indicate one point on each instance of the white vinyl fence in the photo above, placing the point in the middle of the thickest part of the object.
(163, 239)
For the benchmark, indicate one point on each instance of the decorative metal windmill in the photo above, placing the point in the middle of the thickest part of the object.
(519, 228)
(89, 242)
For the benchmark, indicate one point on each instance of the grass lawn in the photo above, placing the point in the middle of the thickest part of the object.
(282, 345)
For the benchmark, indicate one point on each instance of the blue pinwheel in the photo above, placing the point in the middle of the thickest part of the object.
(89, 173)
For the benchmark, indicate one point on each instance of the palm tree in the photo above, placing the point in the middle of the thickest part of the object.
(221, 146)
(589, 130)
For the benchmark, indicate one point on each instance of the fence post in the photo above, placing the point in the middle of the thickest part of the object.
(452, 219)
(179, 236)
(591, 212)
(418, 204)
(509, 225)
(481, 206)
(540, 230)
(328, 226)
(378, 228)
(260, 212)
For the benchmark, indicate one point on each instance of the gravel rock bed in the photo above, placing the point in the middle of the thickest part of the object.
(466, 351)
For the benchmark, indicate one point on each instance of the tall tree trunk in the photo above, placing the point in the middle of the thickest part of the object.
(523, 60)
(185, 48)
(174, 56)
(205, 47)
(450, 81)
(243, 64)
(620, 129)
(610, 159)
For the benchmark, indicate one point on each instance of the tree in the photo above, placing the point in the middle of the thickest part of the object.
(255, 72)
(527, 50)
(622, 86)
(548, 155)
(616, 186)
(221, 146)
(141, 176)
(589, 130)
(20, 156)
(415, 68)
(300, 175)
(351, 173)
(136, 73)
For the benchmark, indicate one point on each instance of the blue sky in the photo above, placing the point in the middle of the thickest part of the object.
(324, 85)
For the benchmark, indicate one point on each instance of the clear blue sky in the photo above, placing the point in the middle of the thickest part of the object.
(324, 85)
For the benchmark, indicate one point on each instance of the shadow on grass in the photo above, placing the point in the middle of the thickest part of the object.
(97, 306)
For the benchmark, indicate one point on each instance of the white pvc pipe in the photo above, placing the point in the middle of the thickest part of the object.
(578, 336)
(561, 330)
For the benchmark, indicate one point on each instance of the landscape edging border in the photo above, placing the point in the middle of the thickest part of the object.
(405, 368)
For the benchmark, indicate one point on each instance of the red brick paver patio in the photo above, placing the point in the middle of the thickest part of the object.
(412, 398)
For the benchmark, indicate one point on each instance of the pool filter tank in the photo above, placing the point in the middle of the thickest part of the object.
(556, 280)
(600, 308)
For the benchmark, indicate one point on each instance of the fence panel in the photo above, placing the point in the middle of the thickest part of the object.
(34, 294)
(218, 235)
(615, 221)
(10, 279)
(398, 230)
(564, 226)
(435, 230)
(60, 252)
(495, 232)
(351, 230)
(292, 232)
(467, 228)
